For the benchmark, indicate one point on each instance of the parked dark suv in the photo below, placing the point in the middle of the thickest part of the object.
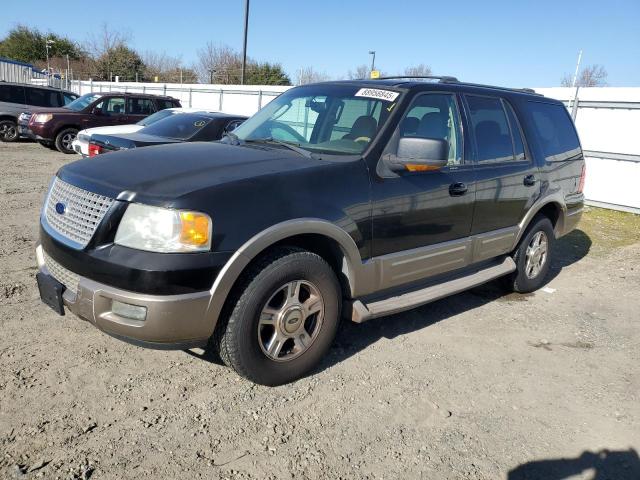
(16, 98)
(57, 128)
(357, 199)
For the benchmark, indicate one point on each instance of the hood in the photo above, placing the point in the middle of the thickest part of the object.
(159, 175)
(51, 110)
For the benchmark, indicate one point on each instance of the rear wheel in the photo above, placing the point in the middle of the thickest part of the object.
(532, 257)
(8, 131)
(65, 138)
(282, 319)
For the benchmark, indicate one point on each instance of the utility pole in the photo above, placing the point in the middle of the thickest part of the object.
(68, 71)
(244, 48)
(573, 107)
(373, 59)
(48, 44)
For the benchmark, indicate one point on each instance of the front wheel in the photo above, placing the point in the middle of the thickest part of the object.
(64, 140)
(283, 318)
(532, 257)
(8, 131)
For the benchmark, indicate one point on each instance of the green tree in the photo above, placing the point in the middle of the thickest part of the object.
(29, 45)
(120, 61)
(266, 74)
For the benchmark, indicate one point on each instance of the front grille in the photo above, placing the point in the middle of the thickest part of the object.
(82, 211)
(66, 277)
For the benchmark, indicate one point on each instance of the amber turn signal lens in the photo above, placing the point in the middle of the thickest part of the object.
(412, 167)
(195, 228)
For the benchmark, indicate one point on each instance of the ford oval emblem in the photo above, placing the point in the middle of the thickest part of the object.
(60, 208)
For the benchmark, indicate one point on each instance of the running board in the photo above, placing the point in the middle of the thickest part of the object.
(362, 312)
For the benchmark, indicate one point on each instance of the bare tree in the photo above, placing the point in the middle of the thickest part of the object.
(306, 75)
(105, 39)
(219, 64)
(361, 71)
(421, 70)
(590, 76)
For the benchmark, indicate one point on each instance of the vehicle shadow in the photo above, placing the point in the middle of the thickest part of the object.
(353, 337)
(606, 464)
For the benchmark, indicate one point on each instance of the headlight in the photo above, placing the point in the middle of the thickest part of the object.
(42, 117)
(164, 230)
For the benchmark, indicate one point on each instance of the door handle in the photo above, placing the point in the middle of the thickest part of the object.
(457, 189)
(529, 180)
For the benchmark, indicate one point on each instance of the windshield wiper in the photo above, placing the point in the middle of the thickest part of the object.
(290, 146)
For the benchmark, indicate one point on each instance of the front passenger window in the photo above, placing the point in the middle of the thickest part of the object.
(435, 115)
(114, 106)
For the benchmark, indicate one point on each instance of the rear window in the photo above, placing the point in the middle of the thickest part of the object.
(181, 127)
(12, 94)
(555, 130)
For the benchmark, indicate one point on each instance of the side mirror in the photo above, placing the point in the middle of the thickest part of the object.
(417, 154)
(96, 111)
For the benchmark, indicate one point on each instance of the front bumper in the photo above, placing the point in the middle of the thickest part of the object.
(171, 321)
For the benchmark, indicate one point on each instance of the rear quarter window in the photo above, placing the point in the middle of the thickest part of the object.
(39, 97)
(12, 94)
(555, 131)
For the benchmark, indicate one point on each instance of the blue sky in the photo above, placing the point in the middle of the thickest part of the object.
(514, 43)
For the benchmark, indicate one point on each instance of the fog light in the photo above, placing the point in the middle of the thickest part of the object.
(127, 310)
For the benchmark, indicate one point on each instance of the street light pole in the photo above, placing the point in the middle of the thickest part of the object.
(244, 48)
(373, 59)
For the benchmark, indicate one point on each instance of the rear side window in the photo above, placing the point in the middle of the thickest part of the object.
(555, 131)
(491, 129)
(12, 94)
(42, 98)
(140, 106)
(167, 103)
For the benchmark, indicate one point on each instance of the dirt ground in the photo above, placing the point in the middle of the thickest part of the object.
(480, 385)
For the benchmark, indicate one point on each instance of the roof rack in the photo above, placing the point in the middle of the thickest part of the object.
(443, 78)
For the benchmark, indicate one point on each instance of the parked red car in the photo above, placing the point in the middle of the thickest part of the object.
(57, 128)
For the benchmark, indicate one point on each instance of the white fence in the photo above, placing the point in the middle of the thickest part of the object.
(608, 122)
(238, 99)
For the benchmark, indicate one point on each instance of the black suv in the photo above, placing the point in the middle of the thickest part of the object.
(352, 199)
(16, 98)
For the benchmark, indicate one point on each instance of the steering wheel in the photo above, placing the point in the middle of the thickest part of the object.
(273, 125)
(363, 139)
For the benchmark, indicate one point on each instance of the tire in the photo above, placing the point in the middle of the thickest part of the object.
(527, 279)
(8, 131)
(49, 145)
(255, 342)
(64, 139)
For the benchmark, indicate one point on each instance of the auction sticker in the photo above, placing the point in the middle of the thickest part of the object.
(387, 95)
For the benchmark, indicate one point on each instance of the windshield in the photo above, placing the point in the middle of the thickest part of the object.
(180, 127)
(327, 118)
(82, 102)
(155, 117)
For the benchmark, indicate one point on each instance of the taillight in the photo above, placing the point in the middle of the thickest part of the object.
(582, 178)
(94, 149)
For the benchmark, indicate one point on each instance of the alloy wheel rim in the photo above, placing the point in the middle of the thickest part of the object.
(67, 140)
(8, 132)
(536, 255)
(290, 320)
